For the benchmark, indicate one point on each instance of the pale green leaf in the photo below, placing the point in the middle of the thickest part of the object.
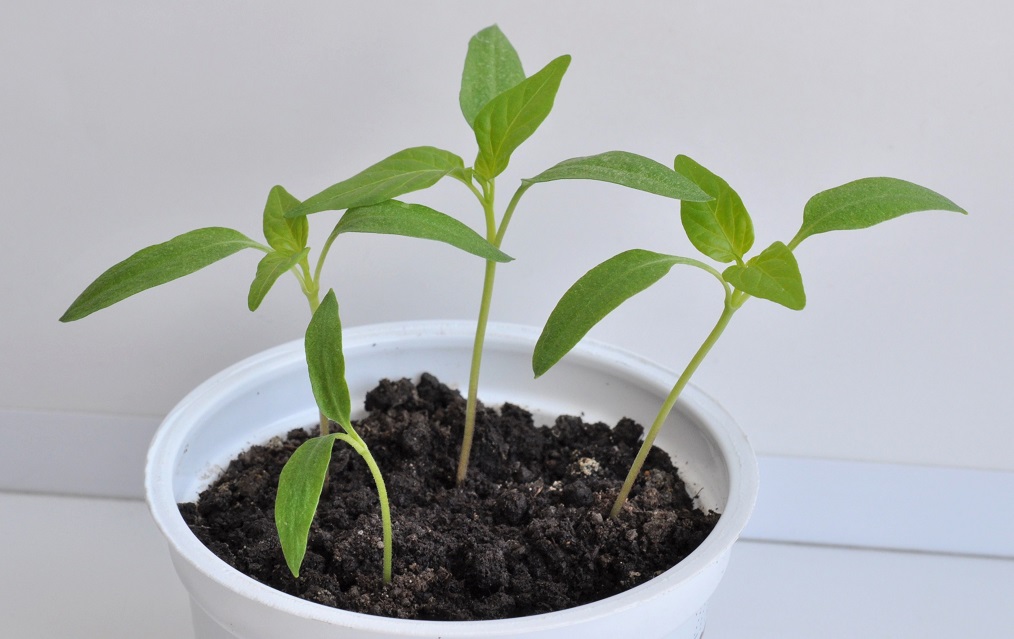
(299, 486)
(863, 203)
(284, 234)
(406, 171)
(415, 220)
(720, 228)
(269, 269)
(157, 265)
(513, 116)
(326, 362)
(773, 275)
(626, 169)
(491, 67)
(594, 296)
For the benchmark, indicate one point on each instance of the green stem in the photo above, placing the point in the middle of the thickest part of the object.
(670, 401)
(385, 506)
(509, 213)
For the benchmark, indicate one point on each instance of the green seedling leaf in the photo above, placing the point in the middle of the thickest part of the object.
(773, 275)
(287, 235)
(863, 203)
(299, 486)
(626, 169)
(720, 228)
(269, 269)
(406, 171)
(492, 66)
(326, 362)
(158, 264)
(415, 220)
(513, 116)
(594, 296)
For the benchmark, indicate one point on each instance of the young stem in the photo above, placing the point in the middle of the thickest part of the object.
(385, 506)
(670, 401)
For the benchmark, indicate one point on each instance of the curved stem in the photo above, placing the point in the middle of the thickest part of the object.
(385, 506)
(667, 406)
(509, 213)
(323, 254)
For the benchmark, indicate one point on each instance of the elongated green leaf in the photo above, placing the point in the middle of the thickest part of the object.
(773, 275)
(269, 269)
(326, 362)
(491, 67)
(157, 265)
(863, 203)
(720, 228)
(594, 296)
(299, 486)
(406, 171)
(513, 116)
(626, 169)
(284, 234)
(415, 220)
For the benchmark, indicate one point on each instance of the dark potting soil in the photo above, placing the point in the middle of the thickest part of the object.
(526, 533)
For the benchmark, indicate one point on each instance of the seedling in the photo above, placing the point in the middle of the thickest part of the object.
(722, 230)
(302, 479)
(504, 108)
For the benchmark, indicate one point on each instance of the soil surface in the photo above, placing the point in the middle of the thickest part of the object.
(526, 534)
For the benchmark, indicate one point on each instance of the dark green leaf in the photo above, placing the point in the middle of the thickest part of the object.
(626, 169)
(284, 234)
(156, 265)
(863, 203)
(594, 296)
(720, 228)
(415, 220)
(491, 67)
(299, 486)
(513, 116)
(406, 171)
(269, 269)
(326, 362)
(773, 275)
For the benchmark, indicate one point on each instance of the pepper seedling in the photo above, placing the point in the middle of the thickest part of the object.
(503, 107)
(722, 230)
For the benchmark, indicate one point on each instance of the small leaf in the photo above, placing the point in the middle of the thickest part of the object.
(406, 171)
(513, 116)
(284, 234)
(773, 275)
(594, 296)
(415, 220)
(269, 269)
(720, 228)
(491, 67)
(158, 264)
(299, 486)
(626, 169)
(863, 203)
(326, 362)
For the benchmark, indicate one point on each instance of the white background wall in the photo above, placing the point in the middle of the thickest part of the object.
(125, 123)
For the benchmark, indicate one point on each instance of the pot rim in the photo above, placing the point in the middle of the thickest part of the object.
(729, 439)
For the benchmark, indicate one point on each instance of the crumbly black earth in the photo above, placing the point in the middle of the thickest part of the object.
(526, 534)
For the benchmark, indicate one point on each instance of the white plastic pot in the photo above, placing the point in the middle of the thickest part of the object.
(269, 394)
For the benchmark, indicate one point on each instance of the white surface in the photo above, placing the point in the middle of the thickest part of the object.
(125, 123)
(106, 569)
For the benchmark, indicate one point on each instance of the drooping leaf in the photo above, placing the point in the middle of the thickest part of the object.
(326, 362)
(158, 264)
(626, 169)
(594, 296)
(406, 171)
(720, 228)
(269, 269)
(491, 67)
(284, 234)
(415, 220)
(773, 275)
(863, 203)
(299, 486)
(513, 116)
